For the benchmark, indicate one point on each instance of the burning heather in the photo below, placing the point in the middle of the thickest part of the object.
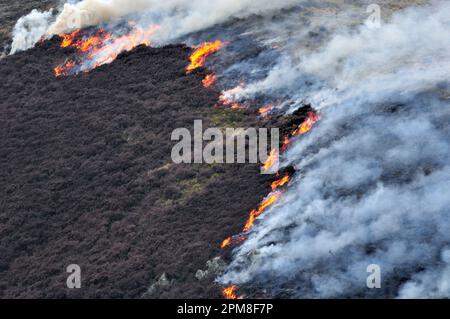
(101, 48)
(198, 57)
(362, 103)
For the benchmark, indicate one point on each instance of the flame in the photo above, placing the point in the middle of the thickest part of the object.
(285, 143)
(227, 102)
(280, 183)
(101, 48)
(209, 80)
(226, 242)
(65, 68)
(272, 160)
(307, 125)
(68, 39)
(265, 110)
(198, 58)
(230, 292)
(232, 240)
(270, 200)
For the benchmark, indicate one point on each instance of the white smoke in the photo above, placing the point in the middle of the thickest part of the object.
(29, 29)
(175, 17)
(373, 181)
(373, 175)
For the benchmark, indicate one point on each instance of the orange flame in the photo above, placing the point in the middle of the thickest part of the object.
(230, 292)
(280, 183)
(285, 143)
(265, 110)
(307, 125)
(226, 242)
(270, 200)
(68, 39)
(198, 58)
(102, 48)
(65, 68)
(232, 241)
(272, 160)
(209, 80)
(230, 103)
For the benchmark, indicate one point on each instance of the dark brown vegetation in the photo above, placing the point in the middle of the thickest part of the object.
(86, 177)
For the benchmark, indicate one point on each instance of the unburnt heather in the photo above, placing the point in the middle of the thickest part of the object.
(86, 177)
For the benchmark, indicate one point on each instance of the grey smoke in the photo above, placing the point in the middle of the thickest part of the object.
(175, 17)
(373, 183)
(29, 29)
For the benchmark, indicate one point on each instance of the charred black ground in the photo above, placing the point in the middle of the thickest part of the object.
(86, 177)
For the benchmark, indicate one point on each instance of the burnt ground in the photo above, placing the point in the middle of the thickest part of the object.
(86, 177)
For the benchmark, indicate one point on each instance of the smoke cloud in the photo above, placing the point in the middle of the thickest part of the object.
(373, 175)
(176, 17)
(372, 181)
(30, 29)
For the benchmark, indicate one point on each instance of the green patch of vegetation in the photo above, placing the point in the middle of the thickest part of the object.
(227, 118)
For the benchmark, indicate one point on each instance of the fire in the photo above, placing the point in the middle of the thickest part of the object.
(280, 183)
(230, 292)
(265, 110)
(307, 125)
(226, 242)
(232, 241)
(68, 39)
(285, 143)
(101, 48)
(227, 102)
(270, 200)
(272, 160)
(209, 80)
(65, 68)
(198, 58)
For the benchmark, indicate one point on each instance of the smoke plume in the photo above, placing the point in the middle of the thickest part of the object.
(176, 17)
(29, 29)
(373, 175)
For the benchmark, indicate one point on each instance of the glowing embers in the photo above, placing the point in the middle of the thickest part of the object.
(230, 292)
(100, 48)
(209, 80)
(198, 57)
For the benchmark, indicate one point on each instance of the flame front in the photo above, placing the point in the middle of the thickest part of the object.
(230, 292)
(69, 38)
(265, 110)
(272, 160)
(209, 80)
(100, 48)
(270, 200)
(280, 183)
(307, 125)
(198, 58)
(232, 241)
(226, 242)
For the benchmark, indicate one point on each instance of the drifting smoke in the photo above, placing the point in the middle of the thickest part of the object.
(373, 183)
(176, 17)
(29, 29)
